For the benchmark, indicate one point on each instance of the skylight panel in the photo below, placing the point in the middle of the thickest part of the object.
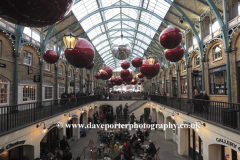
(106, 3)
(130, 12)
(111, 13)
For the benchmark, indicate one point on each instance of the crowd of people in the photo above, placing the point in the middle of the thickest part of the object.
(129, 143)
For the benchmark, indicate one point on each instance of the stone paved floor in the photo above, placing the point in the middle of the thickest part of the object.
(168, 148)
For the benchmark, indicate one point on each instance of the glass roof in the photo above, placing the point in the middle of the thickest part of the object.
(103, 35)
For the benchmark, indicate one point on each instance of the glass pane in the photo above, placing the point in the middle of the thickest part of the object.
(196, 142)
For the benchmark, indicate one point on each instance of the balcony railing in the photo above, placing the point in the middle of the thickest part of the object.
(18, 116)
(224, 113)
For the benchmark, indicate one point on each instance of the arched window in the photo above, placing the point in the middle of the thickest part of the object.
(4, 91)
(217, 52)
(47, 66)
(197, 60)
(77, 89)
(47, 90)
(184, 68)
(70, 73)
(60, 68)
(61, 89)
(27, 91)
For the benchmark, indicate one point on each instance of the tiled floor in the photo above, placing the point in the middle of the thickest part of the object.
(168, 148)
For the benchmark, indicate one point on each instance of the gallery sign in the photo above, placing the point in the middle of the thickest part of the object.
(11, 145)
(229, 143)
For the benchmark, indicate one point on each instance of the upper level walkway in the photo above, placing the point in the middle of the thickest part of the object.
(19, 116)
(218, 113)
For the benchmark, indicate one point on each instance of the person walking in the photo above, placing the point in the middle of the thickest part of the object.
(149, 119)
(132, 117)
(64, 143)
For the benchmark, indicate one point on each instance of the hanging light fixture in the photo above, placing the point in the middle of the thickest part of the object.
(69, 38)
(151, 59)
(101, 68)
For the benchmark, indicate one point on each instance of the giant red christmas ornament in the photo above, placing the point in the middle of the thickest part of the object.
(137, 62)
(175, 54)
(170, 37)
(118, 81)
(124, 73)
(82, 55)
(140, 75)
(109, 83)
(112, 80)
(128, 78)
(50, 56)
(98, 75)
(90, 66)
(139, 83)
(142, 80)
(104, 75)
(150, 71)
(149, 78)
(125, 65)
(34, 13)
(108, 70)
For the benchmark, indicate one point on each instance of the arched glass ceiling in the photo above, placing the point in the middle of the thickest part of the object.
(85, 7)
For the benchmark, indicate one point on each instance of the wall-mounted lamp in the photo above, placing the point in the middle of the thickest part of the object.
(69, 115)
(174, 113)
(44, 127)
(203, 124)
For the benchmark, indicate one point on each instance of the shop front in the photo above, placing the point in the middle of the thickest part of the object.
(223, 150)
(196, 80)
(50, 141)
(183, 82)
(218, 80)
(238, 78)
(195, 145)
(17, 151)
(174, 86)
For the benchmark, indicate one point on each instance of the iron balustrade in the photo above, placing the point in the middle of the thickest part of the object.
(224, 113)
(18, 116)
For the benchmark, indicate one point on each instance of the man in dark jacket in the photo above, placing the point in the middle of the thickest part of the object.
(64, 143)
(152, 149)
(132, 117)
(128, 155)
(67, 155)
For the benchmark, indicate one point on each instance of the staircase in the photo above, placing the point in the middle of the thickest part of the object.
(136, 105)
(122, 119)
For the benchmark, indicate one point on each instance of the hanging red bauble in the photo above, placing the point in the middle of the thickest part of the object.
(170, 37)
(125, 65)
(112, 80)
(90, 66)
(118, 80)
(129, 78)
(142, 80)
(82, 55)
(149, 78)
(50, 56)
(150, 71)
(175, 54)
(98, 76)
(109, 83)
(34, 13)
(108, 70)
(124, 73)
(137, 62)
(140, 75)
(104, 75)
(139, 83)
